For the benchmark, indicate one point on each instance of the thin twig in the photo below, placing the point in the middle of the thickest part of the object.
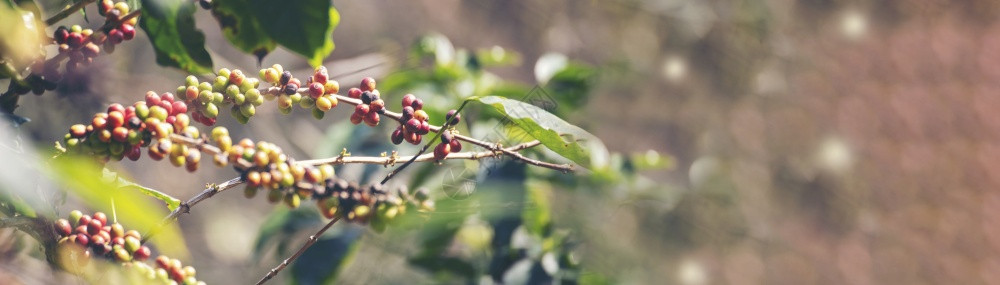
(185, 207)
(66, 12)
(312, 239)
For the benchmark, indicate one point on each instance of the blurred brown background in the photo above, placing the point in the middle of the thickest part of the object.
(817, 142)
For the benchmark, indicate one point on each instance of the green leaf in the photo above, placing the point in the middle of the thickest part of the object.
(324, 260)
(122, 183)
(85, 179)
(304, 27)
(242, 30)
(171, 29)
(561, 137)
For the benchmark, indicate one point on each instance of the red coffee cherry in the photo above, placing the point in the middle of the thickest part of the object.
(456, 145)
(412, 125)
(367, 84)
(63, 227)
(377, 106)
(408, 100)
(441, 151)
(453, 114)
(128, 31)
(397, 135)
(316, 90)
(371, 119)
(354, 92)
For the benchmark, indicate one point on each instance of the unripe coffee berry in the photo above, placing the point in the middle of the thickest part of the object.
(331, 87)
(420, 114)
(324, 103)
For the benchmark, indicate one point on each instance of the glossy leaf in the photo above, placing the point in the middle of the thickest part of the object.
(561, 137)
(243, 30)
(169, 24)
(304, 27)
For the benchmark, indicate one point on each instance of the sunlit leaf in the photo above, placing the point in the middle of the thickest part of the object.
(170, 26)
(561, 137)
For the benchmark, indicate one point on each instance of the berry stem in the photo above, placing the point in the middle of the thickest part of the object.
(66, 12)
(312, 239)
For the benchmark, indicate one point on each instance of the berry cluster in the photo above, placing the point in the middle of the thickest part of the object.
(320, 90)
(413, 121)
(448, 142)
(82, 45)
(88, 236)
(121, 131)
(371, 105)
(368, 204)
(93, 236)
(229, 87)
(169, 271)
(264, 166)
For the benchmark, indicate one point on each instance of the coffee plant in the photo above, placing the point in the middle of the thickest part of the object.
(443, 101)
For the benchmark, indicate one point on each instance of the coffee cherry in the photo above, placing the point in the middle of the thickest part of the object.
(420, 114)
(367, 84)
(412, 125)
(361, 109)
(142, 253)
(417, 104)
(377, 106)
(446, 137)
(354, 92)
(132, 243)
(324, 103)
(82, 239)
(63, 227)
(452, 114)
(441, 151)
(128, 31)
(291, 88)
(371, 119)
(367, 97)
(331, 87)
(412, 138)
(61, 34)
(424, 128)
(316, 89)
(456, 145)
(285, 77)
(397, 136)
